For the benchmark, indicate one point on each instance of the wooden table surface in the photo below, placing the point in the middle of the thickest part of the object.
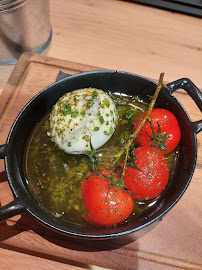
(118, 35)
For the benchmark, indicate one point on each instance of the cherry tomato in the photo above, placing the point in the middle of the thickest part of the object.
(105, 205)
(166, 129)
(149, 175)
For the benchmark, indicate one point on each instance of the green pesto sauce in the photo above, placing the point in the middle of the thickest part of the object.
(54, 177)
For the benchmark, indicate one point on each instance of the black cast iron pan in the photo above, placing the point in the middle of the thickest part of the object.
(14, 150)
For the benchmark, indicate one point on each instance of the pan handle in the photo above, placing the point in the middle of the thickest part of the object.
(3, 150)
(15, 207)
(11, 209)
(194, 93)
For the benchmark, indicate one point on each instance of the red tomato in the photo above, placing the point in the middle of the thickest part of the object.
(105, 205)
(150, 173)
(168, 127)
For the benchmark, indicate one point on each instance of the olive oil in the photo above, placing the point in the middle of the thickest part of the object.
(54, 177)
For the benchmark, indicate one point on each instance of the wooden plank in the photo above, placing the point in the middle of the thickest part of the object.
(115, 34)
(25, 63)
(171, 244)
(26, 261)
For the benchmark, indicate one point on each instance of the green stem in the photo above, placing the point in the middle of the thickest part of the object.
(146, 117)
(124, 165)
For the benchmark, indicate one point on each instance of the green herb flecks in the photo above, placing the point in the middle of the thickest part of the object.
(91, 155)
(136, 98)
(129, 114)
(67, 109)
(101, 119)
(118, 101)
(58, 215)
(75, 113)
(42, 186)
(106, 102)
(65, 165)
(94, 95)
(159, 139)
(76, 100)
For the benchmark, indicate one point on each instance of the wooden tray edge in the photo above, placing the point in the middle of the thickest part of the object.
(22, 65)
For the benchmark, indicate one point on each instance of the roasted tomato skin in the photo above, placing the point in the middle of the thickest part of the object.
(149, 175)
(168, 124)
(105, 205)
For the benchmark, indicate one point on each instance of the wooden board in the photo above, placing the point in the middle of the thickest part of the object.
(173, 243)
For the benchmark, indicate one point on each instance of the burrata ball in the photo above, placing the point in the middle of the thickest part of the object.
(81, 119)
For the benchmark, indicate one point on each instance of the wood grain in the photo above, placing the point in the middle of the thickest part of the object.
(125, 36)
(26, 261)
(174, 243)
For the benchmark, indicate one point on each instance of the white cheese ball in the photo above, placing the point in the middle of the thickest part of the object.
(82, 118)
